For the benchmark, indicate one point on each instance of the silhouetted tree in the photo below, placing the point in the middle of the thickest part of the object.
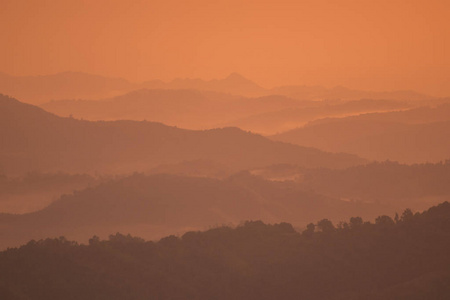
(309, 231)
(253, 261)
(396, 218)
(95, 240)
(384, 221)
(325, 225)
(407, 215)
(356, 222)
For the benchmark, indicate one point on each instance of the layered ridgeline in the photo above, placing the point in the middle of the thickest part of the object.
(340, 92)
(193, 109)
(66, 85)
(196, 109)
(234, 83)
(34, 191)
(411, 136)
(156, 205)
(76, 85)
(405, 258)
(283, 119)
(416, 186)
(37, 140)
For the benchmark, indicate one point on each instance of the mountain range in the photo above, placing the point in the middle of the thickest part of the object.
(193, 109)
(157, 205)
(77, 85)
(410, 136)
(38, 140)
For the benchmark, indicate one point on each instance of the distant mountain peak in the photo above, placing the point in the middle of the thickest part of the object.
(236, 77)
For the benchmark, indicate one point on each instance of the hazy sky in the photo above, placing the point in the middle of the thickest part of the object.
(360, 44)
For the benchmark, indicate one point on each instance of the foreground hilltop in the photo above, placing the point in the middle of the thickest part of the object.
(405, 258)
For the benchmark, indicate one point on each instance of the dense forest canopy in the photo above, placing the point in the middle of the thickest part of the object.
(401, 258)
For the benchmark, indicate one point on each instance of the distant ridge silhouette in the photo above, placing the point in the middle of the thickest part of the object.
(417, 135)
(65, 85)
(78, 85)
(155, 205)
(38, 140)
(186, 108)
(234, 84)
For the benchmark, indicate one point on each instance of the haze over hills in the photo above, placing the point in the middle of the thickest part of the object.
(195, 109)
(412, 136)
(414, 115)
(66, 85)
(416, 186)
(340, 92)
(234, 83)
(194, 168)
(34, 191)
(42, 141)
(78, 85)
(160, 204)
(273, 122)
(157, 205)
(191, 109)
(199, 123)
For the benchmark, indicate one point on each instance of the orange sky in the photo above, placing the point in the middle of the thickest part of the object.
(379, 45)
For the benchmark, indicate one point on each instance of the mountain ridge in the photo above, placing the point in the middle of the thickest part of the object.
(76, 85)
(41, 141)
(417, 135)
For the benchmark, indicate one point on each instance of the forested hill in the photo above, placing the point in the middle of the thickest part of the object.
(157, 205)
(404, 258)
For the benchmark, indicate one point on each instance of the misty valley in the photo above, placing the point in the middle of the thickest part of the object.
(222, 190)
(224, 150)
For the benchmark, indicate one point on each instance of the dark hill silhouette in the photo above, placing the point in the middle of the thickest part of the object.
(413, 136)
(153, 206)
(406, 259)
(37, 140)
(66, 85)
